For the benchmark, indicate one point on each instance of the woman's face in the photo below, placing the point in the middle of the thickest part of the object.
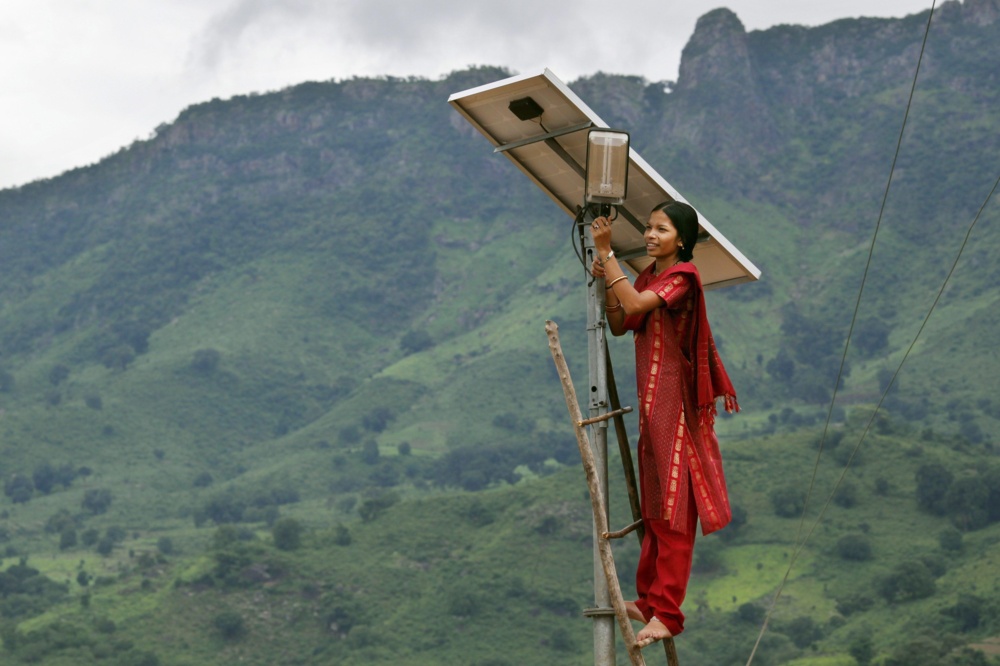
(662, 239)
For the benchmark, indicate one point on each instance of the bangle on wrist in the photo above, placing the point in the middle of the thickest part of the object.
(617, 279)
(613, 308)
(603, 261)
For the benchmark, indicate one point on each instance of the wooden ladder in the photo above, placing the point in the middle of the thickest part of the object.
(597, 494)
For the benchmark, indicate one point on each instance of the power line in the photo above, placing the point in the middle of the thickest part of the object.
(800, 544)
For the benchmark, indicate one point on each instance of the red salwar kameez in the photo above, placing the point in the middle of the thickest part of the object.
(679, 375)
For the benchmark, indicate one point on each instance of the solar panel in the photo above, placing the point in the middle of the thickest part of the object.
(551, 150)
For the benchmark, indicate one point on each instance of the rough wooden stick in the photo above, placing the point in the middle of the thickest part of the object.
(596, 496)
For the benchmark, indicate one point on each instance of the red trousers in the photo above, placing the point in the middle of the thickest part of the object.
(661, 579)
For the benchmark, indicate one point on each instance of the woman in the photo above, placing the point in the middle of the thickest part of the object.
(679, 376)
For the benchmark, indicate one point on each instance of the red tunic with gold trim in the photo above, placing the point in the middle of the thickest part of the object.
(679, 376)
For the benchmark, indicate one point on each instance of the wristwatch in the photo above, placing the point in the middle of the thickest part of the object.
(603, 261)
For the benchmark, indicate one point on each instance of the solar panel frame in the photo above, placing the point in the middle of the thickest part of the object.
(551, 151)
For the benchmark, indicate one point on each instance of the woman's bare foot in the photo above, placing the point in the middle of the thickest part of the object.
(633, 612)
(652, 632)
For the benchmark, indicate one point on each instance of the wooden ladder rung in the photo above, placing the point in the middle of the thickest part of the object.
(607, 416)
(622, 532)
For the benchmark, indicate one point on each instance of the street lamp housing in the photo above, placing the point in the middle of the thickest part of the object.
(607, 167)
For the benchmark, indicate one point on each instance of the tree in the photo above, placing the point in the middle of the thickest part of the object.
(118, 357)
(165, 545)
(19, 488)
(788, 502)
(97, 500)
(966, 502)
(750, 613)
(58, 374)
(44, 477)
(862, 648)
(846, 495)
(416, 341)
(967, 611)
(67, 538)
(105, 546)
(203, 480)
(933, 481)
(342, 535)
(803, 631)
(205, 361)
(377, 420)
(287, 534)
(230, 624)
(6, 381)
(370, 452)
(907, 581)
(374, 507)
(854, 547)
(950, 540)
(781, 367)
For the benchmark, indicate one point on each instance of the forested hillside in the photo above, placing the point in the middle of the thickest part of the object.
(274, 386)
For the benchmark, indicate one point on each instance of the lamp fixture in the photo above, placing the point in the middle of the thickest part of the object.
(607, 167)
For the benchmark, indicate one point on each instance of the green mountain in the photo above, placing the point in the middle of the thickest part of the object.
(274, 385)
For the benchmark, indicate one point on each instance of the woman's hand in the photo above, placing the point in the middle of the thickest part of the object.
(601, 230)
(597, 269)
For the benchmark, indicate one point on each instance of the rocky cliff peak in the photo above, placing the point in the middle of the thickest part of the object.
(716, 52)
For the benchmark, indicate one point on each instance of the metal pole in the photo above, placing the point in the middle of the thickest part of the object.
(603, 613)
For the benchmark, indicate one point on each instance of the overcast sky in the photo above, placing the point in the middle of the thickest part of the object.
(81, 78)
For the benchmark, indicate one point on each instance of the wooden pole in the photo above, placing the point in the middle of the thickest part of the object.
(596, 496)
(623, 447)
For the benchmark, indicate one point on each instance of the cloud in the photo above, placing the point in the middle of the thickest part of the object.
(84, 79)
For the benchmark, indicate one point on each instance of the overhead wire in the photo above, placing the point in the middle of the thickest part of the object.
(799, 541)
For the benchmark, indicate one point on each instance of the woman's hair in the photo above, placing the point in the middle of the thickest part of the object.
(685, 220)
